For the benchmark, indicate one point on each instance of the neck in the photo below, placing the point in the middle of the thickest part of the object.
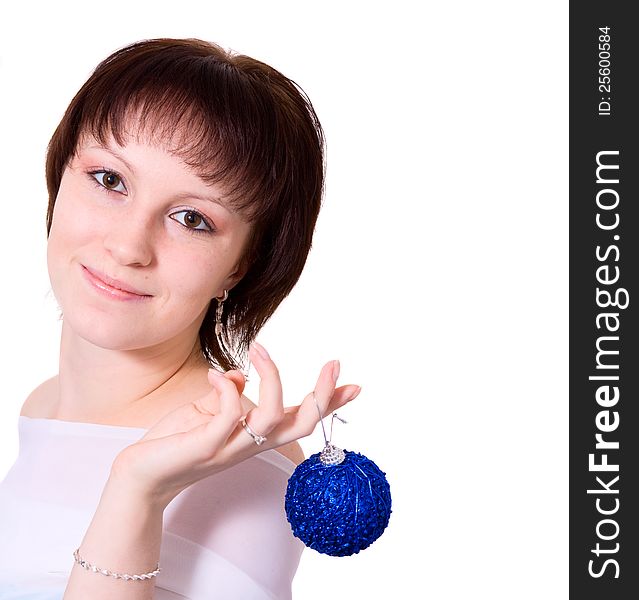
(132, 387)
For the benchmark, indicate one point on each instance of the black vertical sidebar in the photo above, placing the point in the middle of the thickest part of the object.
(604, 302)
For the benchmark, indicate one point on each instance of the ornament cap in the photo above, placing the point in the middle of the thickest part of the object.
(332, 455)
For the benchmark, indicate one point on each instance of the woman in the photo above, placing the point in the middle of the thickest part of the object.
(184, 186)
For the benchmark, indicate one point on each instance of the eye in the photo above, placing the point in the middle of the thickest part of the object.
(196, 218)
(108, 180)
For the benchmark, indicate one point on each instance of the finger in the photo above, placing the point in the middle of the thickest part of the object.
(220, 427)
(270, 410)
(301, 423)
(209, 403)
(238, 379)
(341, 396)
(296, 425)
(317, 401)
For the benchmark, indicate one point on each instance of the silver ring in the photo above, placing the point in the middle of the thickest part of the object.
(257, 438)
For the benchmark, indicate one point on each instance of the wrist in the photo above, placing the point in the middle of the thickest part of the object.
(124, 537)
(121, 490)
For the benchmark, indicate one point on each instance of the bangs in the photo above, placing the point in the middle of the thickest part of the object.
(212, 118)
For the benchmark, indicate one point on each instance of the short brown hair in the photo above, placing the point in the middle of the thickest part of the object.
(244, 126)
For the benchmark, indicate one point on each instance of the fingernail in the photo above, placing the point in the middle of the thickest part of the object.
(355, 393)
(336, 367)
(261, 351)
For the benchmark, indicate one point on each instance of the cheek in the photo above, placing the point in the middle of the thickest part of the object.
(197, 271)
(73, 221)
(190, 277)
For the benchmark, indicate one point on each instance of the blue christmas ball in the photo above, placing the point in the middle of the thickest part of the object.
(338, 509)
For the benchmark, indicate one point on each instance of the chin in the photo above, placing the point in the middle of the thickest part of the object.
(101, 332)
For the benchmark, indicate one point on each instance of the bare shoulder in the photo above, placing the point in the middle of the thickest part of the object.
(292, 451)
(39, 400)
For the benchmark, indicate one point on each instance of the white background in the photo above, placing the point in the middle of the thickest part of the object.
(438, 274)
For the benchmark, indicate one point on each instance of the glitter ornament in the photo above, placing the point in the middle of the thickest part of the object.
(337, 502)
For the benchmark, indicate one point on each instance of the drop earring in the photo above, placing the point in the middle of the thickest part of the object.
(218, 315)
(219, 326)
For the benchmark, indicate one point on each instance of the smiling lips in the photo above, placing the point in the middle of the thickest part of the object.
(114, 284)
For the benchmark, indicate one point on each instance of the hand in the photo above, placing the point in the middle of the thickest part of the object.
(205, 436)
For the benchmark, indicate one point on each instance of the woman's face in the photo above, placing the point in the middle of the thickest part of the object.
(137, 214)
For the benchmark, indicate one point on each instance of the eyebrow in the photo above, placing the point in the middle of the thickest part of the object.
(114, 153)
(128, 165)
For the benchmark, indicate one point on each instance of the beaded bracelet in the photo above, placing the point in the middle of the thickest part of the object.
(90, 567)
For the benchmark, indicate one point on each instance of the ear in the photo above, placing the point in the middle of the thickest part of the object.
(235, 277)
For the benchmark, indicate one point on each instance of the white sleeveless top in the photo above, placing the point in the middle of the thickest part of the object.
(225, 537)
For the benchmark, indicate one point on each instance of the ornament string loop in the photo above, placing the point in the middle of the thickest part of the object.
(331, 455)
(335, 416)
(321, 420)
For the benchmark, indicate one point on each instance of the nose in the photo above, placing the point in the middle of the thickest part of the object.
(128, 238)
